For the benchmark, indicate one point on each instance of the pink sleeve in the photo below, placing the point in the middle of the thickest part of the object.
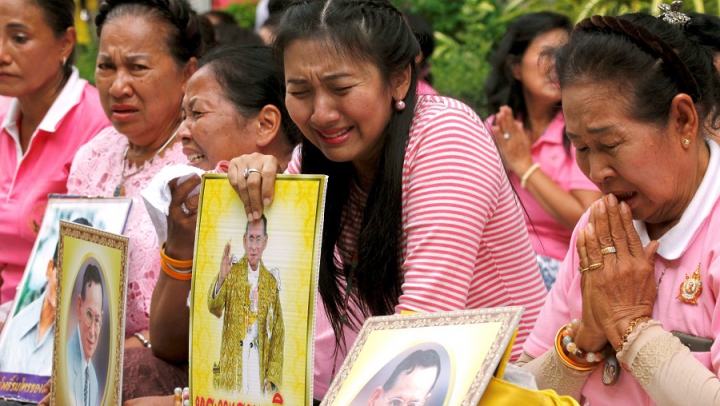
(564, 302)
(294, 167)
(578, 180)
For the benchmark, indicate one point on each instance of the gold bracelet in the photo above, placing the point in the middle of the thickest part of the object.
(526, 176)
(629, 331)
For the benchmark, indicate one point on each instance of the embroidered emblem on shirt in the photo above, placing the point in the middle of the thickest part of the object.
(691, 288)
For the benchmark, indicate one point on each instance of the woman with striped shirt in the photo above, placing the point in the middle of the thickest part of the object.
(420, 215)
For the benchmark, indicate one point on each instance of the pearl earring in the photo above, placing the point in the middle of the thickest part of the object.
(64, 60)
(686, 142)
(399, 105)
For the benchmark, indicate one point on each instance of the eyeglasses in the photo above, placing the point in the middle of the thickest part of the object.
(92, 319)
(400, 402)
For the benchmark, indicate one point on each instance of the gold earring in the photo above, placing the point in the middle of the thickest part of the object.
(686, 142)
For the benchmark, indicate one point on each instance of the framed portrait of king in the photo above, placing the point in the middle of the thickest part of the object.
(90, 317)
(425, 359)
(26, 342)
(253, 294)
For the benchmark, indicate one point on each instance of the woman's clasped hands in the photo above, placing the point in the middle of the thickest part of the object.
(618, 282)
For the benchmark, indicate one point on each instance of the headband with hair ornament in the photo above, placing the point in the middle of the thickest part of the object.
(650, 43)
(672, 14)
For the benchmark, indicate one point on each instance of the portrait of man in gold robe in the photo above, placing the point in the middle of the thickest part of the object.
(247, 294)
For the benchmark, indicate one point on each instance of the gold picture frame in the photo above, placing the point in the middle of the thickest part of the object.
(469, 345)
(89, 258)
(275, 329)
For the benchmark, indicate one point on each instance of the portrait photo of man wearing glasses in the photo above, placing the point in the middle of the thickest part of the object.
(83, 380)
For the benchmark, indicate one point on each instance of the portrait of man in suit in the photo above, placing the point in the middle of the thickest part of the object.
(84, 390)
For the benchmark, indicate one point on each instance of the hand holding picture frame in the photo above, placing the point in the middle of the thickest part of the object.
(90, 317)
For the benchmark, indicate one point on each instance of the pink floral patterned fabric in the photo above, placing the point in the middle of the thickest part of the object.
(96, 171)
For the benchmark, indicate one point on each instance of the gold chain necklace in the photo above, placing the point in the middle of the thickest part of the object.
(120, 188)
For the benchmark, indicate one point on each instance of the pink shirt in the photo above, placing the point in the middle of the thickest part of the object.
(96, 171)
(692, 243)
(464, 243)
(549, 151)
(26, 180)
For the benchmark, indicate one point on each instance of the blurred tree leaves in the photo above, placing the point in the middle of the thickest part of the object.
(466, 32)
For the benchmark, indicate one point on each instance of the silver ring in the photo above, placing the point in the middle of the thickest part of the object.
(248, 171)
(185, 209)
(506, 136)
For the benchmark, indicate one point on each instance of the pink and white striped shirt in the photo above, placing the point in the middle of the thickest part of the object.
(464, 240)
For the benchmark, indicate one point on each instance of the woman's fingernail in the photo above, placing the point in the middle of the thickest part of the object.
(266, 201)
(624, 208)
(601, 206)
(250, 217)
(256, 215)
(612, 200)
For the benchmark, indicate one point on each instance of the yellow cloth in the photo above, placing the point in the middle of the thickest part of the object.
(233, 299)
(502, 393)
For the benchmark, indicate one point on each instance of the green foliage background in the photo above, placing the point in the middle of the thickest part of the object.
(466, 32)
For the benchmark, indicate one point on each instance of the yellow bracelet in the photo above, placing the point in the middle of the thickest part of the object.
(526, 176)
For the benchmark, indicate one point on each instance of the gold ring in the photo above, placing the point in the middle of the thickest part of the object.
(608, 250)
(594, 266)
(582, 270)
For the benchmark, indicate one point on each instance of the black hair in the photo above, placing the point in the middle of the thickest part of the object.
(232, 34)
(375, 32)
(418, 359)
(425, 35)
(264, 219)
(251, 80)
(91, 275)
(79, 220)
(705, 30)
(221, 16)
(650, 59)
(501, 87)
(59, 16)
(185, 37)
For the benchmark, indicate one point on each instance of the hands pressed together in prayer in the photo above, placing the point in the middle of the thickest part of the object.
(618, 282)
(513, 142)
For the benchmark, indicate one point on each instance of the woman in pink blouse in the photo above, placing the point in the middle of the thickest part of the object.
(420, 215)
(529, 129)
(141, 77)
(46, 113)
(634, 317)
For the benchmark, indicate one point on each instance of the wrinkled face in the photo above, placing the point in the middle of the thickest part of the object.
(341, 104)
(140, 85)
(254, 242)
(535, 70)
(30, 55)
(641, 163)
(411, 388)
(212, 129)
(90, 318)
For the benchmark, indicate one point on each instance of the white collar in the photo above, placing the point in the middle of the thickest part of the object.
(68, 98)
(675, 242)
